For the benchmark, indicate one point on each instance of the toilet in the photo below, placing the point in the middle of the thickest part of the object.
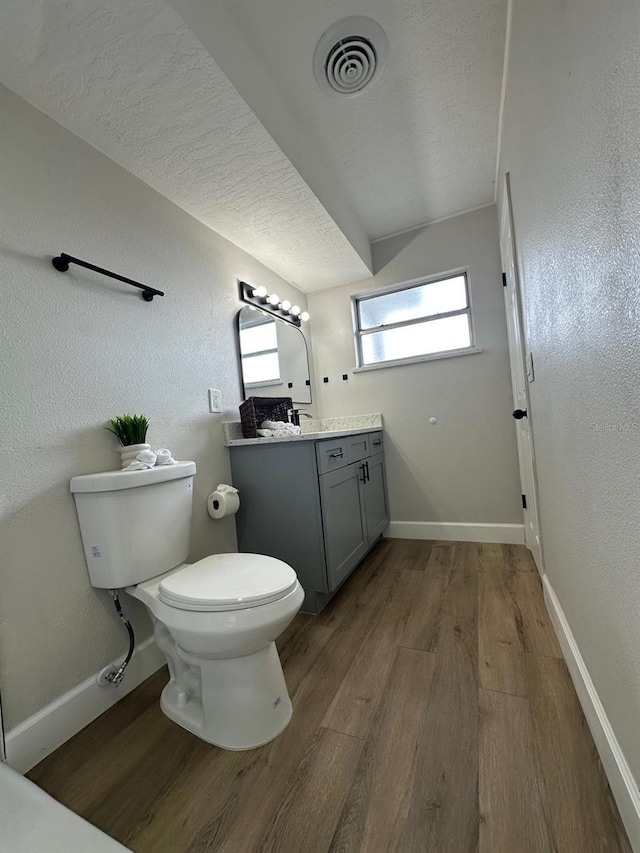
(216, 621)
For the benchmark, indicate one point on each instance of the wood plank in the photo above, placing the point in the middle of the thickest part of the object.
(534, 624)
(513, 815)
(315, 796)
(383, 781)
(262, 795)
(124, 805)
(369, 573)
(193, 811)
(518, 558)
(500, 651)
(460, 600)
(429, 588)
(443, 813)
(583, 815)
(301, 649)
(356, 703)
(412, 554)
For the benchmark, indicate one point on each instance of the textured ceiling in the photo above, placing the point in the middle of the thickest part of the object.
(421, 143)
(133, 81)
(214, 104)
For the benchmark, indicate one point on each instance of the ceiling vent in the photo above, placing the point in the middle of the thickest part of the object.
(350, 55)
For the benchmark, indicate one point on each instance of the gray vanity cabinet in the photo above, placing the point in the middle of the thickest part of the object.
(318, 505)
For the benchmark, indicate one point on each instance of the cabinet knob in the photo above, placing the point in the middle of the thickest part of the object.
(519, 414)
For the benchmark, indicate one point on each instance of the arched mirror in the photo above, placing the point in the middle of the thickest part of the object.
(273, 357)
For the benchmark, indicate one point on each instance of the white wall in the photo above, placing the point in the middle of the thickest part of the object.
(464, 469)
(570, 142)
(77, 349)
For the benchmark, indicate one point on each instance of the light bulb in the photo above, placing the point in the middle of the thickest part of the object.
(286, 305)
(295, 310)
(274, 299)
(260, 292)
(304, 316)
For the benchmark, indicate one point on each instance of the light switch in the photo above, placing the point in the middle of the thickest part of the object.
(215, 400)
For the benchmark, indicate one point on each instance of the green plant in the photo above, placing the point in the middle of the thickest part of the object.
(129, 429)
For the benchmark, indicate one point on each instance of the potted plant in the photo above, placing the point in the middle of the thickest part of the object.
(131, 432)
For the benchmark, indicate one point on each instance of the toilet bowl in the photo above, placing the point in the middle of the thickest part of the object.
(216, 621)
(226, 683)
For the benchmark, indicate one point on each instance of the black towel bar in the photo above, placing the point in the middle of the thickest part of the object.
(61, 263)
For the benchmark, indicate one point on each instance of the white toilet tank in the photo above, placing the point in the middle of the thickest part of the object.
(134, 524)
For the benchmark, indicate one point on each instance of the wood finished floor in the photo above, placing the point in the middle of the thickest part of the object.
(432, 712)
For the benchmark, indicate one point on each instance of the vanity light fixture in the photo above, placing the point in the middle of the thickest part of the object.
(259, 297)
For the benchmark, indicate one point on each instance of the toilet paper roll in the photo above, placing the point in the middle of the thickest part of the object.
(224, 501)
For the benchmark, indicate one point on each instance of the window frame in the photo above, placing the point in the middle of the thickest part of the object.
(358, 333)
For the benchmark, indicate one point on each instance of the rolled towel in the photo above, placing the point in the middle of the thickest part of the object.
(147, 457)
(273, 424)
(164, 457)
(134, 465)
(144, 459)
(265, 433)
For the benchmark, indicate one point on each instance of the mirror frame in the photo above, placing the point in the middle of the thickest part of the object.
(239, 355)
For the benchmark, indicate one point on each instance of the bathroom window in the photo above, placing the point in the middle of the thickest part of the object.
(260, 362)
(426, 319)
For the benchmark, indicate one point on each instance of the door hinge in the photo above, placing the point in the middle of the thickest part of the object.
(504, 279)
(524, 502)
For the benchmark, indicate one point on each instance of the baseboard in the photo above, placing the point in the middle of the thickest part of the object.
(454, 531)
(621, 781)
(39, 735)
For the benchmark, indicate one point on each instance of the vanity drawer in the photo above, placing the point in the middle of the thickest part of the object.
(376, 442)
(331, 454)
(358, 447)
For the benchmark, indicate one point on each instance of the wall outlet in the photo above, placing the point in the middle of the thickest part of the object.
(215, 400)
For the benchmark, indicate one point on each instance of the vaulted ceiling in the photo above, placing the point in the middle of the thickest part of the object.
(216, 106)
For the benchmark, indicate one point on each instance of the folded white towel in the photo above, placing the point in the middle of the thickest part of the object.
(278, 428)
(164, 457)
(144, 459)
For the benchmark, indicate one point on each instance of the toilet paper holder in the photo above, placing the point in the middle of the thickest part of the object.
(224, 501)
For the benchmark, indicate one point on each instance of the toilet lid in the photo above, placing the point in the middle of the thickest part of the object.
(228, 582)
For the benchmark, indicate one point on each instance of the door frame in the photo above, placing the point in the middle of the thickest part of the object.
(514, 309)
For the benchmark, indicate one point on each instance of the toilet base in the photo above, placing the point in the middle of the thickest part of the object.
(234, 703)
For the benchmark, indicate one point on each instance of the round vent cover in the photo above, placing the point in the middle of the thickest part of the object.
(349, 55)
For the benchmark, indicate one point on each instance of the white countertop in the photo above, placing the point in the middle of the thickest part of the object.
(328, 428)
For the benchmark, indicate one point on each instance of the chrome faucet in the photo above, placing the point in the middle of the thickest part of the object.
(294, 415)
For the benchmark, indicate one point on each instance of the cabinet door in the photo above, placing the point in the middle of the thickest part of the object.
(375, 497)
(343, 519)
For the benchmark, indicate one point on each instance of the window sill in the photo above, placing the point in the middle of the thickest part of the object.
(436, 356)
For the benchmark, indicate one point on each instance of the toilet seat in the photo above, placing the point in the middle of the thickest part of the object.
(227, 582)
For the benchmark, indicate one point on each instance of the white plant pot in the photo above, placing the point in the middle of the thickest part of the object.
(129, 453)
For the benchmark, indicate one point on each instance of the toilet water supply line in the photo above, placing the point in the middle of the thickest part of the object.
(116, 677)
